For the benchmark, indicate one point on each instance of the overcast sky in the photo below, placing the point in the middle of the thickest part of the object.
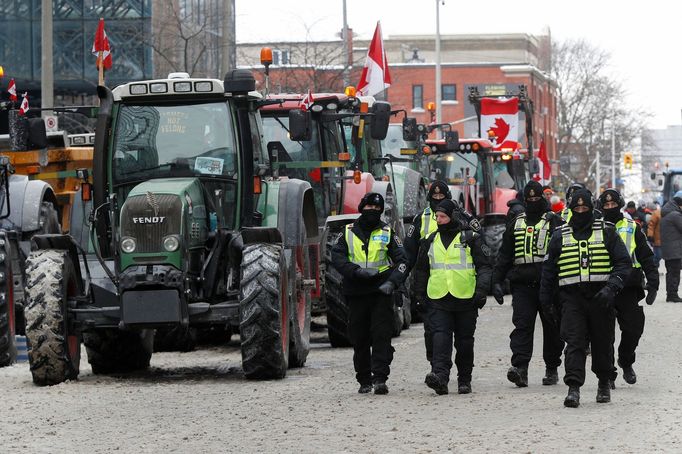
(644, 40)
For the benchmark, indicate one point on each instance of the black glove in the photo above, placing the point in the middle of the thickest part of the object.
(605, 297)
(650, 295)
(420, 306)
(387, 288)
(365, 274)
(498, 293)
(480, 298)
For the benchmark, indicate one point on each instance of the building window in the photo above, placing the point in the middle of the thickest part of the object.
(280, 57)
(417, 96)
(449, 92)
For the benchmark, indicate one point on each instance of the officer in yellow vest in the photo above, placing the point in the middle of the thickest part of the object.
(372, 261)
(524, 245)
(630, 314)
(588, 262)
(453, 278)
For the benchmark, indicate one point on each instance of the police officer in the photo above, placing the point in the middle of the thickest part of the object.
(372, 261)
(425, 224)
(566, 213)
(452, 278)
(588, 262)
(524, 245)
(630, 314)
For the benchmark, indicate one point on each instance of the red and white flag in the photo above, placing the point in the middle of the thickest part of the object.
(545, 174)
(101, 44)
(12, 90)
(24, 105)
(375, 77)
(307, 101)
(500, 123)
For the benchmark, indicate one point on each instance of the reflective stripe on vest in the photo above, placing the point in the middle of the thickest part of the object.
(377, 254)
(626, 230)
(531, 242)
(584, 260)
(428, 223)
(566, 214)
(452, 269)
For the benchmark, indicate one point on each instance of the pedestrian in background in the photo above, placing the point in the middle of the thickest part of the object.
(371, 259)
(654, 232)
(671, 245)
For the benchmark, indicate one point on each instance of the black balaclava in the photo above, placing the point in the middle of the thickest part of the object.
(440, 187)
(580, 220)
(448, 208)
(612, 214)
(534, 208)
(370, 219)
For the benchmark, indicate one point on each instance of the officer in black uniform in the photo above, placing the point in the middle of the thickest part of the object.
(453, 274)
(566, 212)
(630, 314)
(588, 262)
(372, 261)
(524, 245)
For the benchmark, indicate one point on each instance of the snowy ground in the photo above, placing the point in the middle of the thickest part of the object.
(200, 402)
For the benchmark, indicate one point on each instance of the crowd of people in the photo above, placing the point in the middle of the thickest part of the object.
(581, 264)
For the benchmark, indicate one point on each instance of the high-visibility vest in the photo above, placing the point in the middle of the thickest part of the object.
(429, 224)
(566, 214)
(626, 229)
(376, 256)
(531, 241)
(583, 260)
(451, 270)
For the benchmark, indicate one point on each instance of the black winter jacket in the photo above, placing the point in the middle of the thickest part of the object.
(671, 231)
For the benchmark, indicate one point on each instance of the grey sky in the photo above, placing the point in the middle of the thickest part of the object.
(642, 37)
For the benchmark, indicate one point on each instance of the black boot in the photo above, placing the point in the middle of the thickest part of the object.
(573, 398)
(673, 299)
(603, 391)
(518, 376)
(464, 387)
(629, 375)
(551, 376)
(380, 388)
(612, 384)
(434, 382)
(364, 389)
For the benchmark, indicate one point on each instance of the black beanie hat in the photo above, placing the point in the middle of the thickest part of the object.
(609, 195)
(371, 198)
(443, 188)
(532, 189)
(447, 207)
(581, 197)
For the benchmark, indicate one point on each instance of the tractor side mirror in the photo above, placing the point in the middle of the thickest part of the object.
(381, 111)
(300, 125)
(409, 129)
(451, 140)
(37, 135)
(533, 166)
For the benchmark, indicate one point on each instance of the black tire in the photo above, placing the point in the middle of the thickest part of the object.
(53, 352)
(8, 350)
(301, 307)
(112, 351)
(337, 309)
(176, 339)
(263, 312)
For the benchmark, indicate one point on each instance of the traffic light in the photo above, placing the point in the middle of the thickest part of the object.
(627, 159)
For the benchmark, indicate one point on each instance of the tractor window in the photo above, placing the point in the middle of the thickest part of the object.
(455, 168)
(173, 140)
(502, 176)
(393, 142)
(276, 130)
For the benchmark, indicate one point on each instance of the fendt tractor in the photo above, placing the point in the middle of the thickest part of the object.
(184, 225)
(313, 145)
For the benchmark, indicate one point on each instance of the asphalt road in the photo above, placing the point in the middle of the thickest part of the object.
(200, 402)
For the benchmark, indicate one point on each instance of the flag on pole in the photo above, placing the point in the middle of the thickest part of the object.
(375, 77)
(307, 101)
(545, 173)
(101, 44)
(500, 123)
(24, 105)
(12, 90)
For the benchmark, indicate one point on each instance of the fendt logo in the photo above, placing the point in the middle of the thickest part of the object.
(149, 220)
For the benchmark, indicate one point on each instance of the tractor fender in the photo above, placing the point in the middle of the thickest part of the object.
(296, 214)
(26, 198)
(353, 192)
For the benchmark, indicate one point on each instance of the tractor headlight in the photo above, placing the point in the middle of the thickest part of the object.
(171, 243)
(128, 245)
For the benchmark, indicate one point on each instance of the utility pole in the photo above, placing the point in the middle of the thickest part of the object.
(438, 82)
(598, 177)
(613, 153)
(346, 48)
(228, 45)
(46, 71)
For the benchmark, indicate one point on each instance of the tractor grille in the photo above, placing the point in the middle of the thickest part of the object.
(140, 220)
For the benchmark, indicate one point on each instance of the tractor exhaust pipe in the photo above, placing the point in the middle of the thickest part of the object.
(99, 166)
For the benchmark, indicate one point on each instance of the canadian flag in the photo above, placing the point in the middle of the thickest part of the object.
(307, 101)
(545, 174)
(12, 90)
(375, 77)
(101, 44)
(500, 123)
(24, 105)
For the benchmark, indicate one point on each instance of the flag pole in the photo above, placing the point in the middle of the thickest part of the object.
(100, 67)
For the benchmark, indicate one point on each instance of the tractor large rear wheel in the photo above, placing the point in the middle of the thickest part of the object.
(112, 351)
(301, 307)
(337, 309)
(54, 352)
(263, 312)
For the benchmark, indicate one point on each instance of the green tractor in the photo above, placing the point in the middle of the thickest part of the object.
(186, 228)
